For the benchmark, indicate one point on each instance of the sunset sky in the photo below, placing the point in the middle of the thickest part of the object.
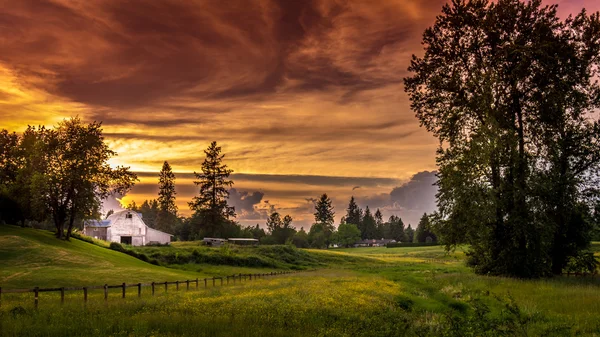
(305, 97)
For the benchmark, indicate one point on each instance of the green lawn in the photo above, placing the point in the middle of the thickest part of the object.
(415, 291)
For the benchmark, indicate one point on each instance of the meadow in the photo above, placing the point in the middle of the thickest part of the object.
(420, 291)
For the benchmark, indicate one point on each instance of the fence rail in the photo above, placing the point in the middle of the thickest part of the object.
(196, 283)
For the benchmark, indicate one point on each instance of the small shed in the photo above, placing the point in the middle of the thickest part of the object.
(243, 241)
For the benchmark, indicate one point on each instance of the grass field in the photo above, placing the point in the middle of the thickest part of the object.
(417, 291)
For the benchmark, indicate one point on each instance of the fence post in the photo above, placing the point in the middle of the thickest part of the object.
(152, 288)
(124, 286)
(227, 279)
(62, 295)
(187, 284)
(106, 292)
(84, 294)
(139, 290)
(240, 277)
(166, 286)
(196, 283)
(177, 285)
(213, 281)
(205, 285)
(233, 278)
(36, 290)
(250, 275)
(221, 280)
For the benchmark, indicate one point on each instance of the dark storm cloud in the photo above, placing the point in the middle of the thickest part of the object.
(417, 194)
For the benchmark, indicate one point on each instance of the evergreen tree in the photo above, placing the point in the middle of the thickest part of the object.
(210, 207)
(167, 210)
(324, 215)
(379, 224)
(409, 233)
(324, 211)
(369, 225)
(397, 229)
(353, 213)
(423, 232)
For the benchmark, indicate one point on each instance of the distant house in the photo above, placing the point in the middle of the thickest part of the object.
(373, 243)
(125, 227)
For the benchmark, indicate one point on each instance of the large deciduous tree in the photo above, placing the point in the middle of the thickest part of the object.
(66, 173)
(346, 235)
(210, 206)
(507, 87)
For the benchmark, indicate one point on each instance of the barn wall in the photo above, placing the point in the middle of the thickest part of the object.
(154, 236)
(122, 226)
(96, 232)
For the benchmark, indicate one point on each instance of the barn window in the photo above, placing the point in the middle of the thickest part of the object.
(129, 216)
(140, 231)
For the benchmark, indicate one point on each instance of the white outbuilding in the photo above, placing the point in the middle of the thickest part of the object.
(125, 227)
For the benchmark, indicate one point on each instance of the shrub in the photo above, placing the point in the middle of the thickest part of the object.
(584, 262)
(117, 246)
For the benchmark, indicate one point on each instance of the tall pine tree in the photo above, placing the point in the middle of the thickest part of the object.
(210, 207)
(167, 210)
(353, 213)
(369, 225)
(324, 215)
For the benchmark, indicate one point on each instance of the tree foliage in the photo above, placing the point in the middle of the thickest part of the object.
(507, 88)
(346, 235)
(424, 232)
(167, 209)
(280, 229)
(211, 211)
(61, 174)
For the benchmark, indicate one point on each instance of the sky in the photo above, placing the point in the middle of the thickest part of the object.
(305, 97)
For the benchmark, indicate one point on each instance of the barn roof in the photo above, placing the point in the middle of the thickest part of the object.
(97, 223)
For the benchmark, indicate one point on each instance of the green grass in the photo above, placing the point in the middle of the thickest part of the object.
(30, 258)
(415, 291)
(187, 254)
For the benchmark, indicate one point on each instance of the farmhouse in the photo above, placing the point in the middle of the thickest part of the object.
(125, 227)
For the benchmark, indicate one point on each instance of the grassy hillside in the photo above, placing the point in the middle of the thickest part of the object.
(30, 258)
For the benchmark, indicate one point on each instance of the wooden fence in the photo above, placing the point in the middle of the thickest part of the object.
(197, 283)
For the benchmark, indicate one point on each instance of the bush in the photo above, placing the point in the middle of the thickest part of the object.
(117, 246)
(585, 262)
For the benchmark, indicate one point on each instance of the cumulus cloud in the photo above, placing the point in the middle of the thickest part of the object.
(418, 194)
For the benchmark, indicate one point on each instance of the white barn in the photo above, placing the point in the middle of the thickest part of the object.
(125, 227)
